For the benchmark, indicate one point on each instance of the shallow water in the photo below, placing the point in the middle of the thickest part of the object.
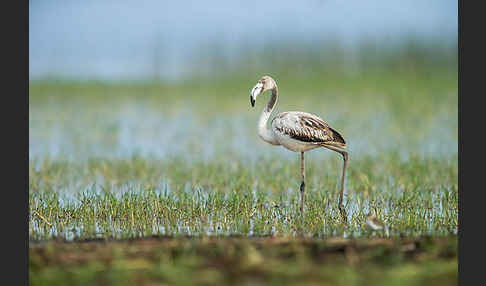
(77, 132)
(146, 132)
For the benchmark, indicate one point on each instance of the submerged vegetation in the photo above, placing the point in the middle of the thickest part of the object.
(140, 197)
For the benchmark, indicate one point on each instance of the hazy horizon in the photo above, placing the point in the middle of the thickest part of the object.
(133, 40)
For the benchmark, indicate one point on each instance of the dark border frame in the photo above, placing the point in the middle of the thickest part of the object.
(15, 216)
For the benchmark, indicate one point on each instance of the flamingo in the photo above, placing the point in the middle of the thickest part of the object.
(299, 132)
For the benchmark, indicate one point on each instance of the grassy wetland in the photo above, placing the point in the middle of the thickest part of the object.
(153, 181)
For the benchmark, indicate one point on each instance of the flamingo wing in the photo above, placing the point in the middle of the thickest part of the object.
(307, 127)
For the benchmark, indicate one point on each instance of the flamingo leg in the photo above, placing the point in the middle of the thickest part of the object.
(345, 159)
(302, 185)
(341, 207)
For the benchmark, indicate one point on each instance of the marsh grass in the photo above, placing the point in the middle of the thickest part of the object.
(167, 183)
(131, 160)
(139, 197)
(179, 171)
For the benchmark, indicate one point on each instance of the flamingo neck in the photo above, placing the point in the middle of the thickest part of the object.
(264, 133)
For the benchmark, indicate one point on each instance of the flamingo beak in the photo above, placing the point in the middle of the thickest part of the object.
(257, 89)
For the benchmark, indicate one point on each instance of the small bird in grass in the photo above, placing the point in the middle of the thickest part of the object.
(374, 223)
